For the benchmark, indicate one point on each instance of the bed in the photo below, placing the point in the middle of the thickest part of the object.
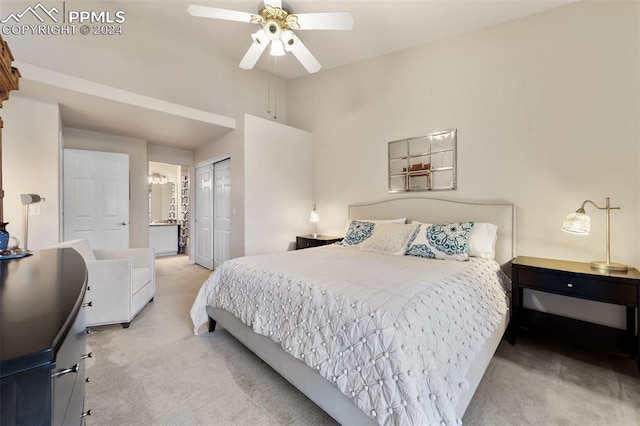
(369, 337)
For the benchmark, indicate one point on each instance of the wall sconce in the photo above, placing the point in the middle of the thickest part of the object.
(579, 223)
(314, 217)
(28, 199)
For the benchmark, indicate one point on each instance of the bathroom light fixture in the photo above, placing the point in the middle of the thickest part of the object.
(28, 199)
(157, 178)
(579, 223)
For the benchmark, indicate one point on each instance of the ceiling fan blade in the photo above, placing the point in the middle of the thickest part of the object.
(274, 3)
(214, 12)
(293, 44)
(260, 42)
(324, 21)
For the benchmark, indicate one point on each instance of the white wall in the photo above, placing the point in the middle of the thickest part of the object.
(546, 109)
(138, 174)
(278, 183)
(30, 159)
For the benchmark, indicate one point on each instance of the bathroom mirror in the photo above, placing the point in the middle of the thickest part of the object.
(424, 163)
(163, 202)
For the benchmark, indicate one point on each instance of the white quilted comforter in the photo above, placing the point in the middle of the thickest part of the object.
(396, 334)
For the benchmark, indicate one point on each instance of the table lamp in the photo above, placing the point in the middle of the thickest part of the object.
(314, 217)
(579, 223)
(28, 199)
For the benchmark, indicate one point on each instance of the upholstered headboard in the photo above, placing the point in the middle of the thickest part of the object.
(435, 210)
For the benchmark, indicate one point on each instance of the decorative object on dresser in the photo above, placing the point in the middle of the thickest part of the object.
(121, 282)
(42, 371)
(9, 80)
(579, 223)
(27, 200)
(580, 280)
(4, 237)
(314, 240)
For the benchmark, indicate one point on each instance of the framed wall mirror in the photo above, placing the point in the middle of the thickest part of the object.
(424, 163)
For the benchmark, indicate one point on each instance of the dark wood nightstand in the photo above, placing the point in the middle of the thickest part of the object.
(306, 241)
(576, 279)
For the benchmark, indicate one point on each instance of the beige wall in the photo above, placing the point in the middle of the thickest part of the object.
(138, 174)
(164, 154)
(30, 164)
(272, 199)
(176, 66)
(277, 185)
(546, 109)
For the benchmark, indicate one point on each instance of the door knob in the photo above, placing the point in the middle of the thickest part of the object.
(123, 223)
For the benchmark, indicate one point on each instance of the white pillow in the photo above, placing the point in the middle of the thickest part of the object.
(441, 241)
(482, 241)
(389, 238)
(357, 232)
(399, 220)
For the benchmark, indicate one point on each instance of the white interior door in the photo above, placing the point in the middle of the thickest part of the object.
(203, 216)
(222, 212)
(96, 198)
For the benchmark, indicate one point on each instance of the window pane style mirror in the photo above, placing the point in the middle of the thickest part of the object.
(424, 163)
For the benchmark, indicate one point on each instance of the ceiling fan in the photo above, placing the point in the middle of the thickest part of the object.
(277, 24)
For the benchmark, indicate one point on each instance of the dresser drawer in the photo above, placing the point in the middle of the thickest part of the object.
(611, 291)
(303, 243)
(308, 241)
(69, 373)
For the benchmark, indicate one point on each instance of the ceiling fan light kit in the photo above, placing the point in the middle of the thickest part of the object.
(277, 25)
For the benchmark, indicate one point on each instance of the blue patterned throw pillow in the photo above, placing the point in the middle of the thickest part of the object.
(357, 233)
(441, 241)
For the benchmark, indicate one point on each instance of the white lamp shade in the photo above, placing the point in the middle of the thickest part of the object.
(30, 199)
(314, 216)
(577, 223)
(277, 48)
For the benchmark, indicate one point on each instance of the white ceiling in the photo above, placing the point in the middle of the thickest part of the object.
(381, 27)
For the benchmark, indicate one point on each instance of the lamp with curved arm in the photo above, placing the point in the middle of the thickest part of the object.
(579, 223)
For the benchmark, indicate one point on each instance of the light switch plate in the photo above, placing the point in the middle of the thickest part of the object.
(34, 210)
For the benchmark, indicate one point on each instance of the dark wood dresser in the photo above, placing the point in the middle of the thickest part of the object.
(42, 341)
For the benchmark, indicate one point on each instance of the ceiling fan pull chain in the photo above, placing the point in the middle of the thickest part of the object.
(269, 92)
(269, 95)
(275, 88)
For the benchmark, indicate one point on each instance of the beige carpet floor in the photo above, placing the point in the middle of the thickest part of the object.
(158, 372)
